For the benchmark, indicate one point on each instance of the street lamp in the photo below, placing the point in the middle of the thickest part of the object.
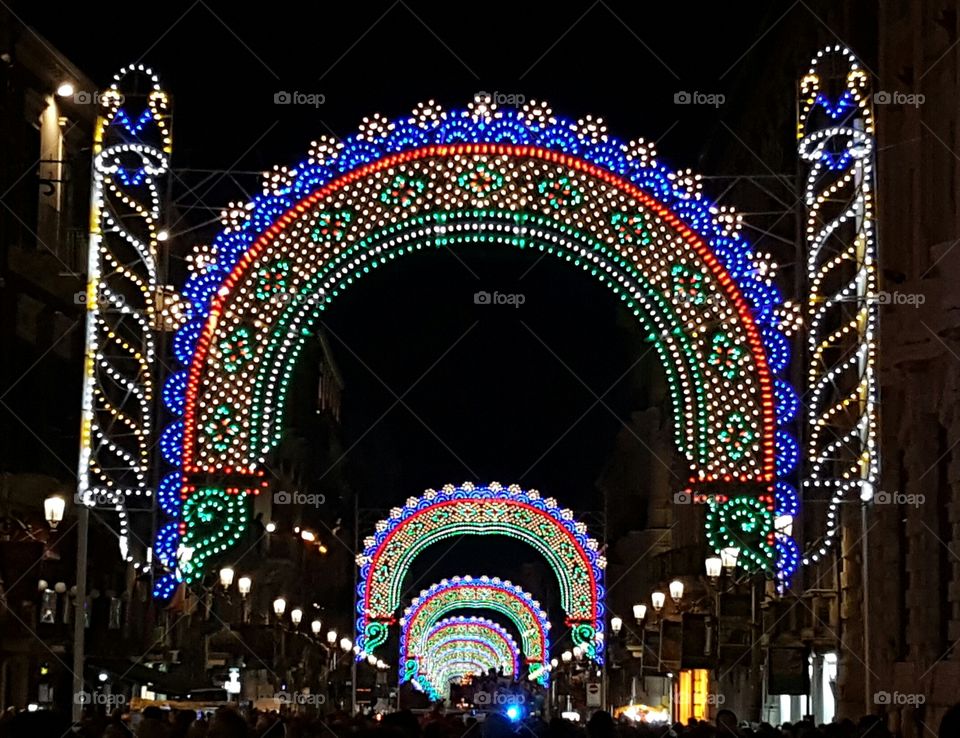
(331, 637)
(616, 624)
(53, 510)
(279, 606)
(65, 89)
(676, 590)
(315, 627)
(639, 613)
(728, 557)
(226, 577)
(243, 585)
(566, 657)
(657, 599)
(296, 615)
(346, 644)
(714, 567)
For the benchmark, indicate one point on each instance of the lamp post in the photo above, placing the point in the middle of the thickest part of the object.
(315, 627)
(226, 577)
(616, 624)
(296, 617)
(53, 508)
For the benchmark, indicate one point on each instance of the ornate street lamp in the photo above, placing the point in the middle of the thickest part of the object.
(53, 508)
(226, 577)
(639, 613)
(331, 637)
(346, 644)
(243, 585)
(616, 624)
(729, 557)
(296, 615)
(279, 606)
(676, 590)
(566, 656)
(657, 599)
(714, 567)
(315, 627)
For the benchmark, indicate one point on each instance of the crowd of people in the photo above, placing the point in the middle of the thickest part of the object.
(225, 722)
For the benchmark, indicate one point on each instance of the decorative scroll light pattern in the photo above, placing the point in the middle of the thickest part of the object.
(460, 628)
(523, 178)
(837, 144)
(481, 593)
(131, 150)
(471, 510)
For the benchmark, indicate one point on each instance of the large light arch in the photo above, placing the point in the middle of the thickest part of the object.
(481, 510)
(479, 593)
(523, 178)
(459, 628)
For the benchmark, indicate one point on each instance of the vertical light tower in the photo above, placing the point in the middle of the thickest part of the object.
(130, 156)
(837, 146)
(131, 150)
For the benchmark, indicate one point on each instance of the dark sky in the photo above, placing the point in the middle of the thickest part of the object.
(506, 402)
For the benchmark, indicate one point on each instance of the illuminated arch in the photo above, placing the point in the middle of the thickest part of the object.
(522, 178)
(459, 628)
(437, 661)
(477, 510)
(437, 687)
(481, 593)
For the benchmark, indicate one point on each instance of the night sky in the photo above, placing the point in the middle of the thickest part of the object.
(513, 397)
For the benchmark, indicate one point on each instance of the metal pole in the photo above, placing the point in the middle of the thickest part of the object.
(80, 615)
(356, 573)
(868, 705)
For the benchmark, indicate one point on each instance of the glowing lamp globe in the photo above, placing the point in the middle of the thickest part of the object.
(616, 624)
(657, 599)
(676, 590)
(226, 577)
(243, 585)
(713, 566)
(53, 508)
(315, 627)
(279, 606)
(639, 612)
(296, 615)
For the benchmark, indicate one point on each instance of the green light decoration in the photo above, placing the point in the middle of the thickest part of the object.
(747, 523)
(272, 280)
(222, 428)
(481, 180)
(689, 284)
(725, 355)
(585, 636)
(447, 662)
(331, 226)
(236, 350)
(631, 229)
(215, 521)
(737, 435)
(374, 635)
(560, 193)
(403, 191)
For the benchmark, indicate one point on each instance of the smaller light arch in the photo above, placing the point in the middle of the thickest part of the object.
(489, 651)
(493, 509)
(481, 593)
(438, 688)
(459, 628)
